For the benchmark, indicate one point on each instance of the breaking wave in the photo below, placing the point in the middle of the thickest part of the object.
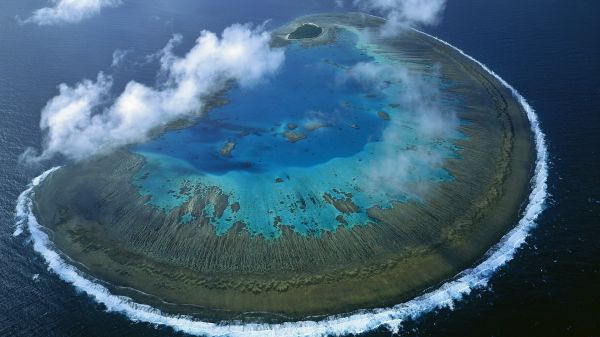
(354, 323)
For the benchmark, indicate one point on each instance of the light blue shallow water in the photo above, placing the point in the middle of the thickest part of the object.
(276, 180)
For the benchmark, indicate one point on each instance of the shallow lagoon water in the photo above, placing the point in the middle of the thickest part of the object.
(334, 124)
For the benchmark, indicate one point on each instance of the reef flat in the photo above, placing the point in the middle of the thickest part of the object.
(271, 231)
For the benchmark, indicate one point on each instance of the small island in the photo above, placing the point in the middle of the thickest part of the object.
(306, 31)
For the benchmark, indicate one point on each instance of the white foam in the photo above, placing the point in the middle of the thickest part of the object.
(355, 323)
(22, 209)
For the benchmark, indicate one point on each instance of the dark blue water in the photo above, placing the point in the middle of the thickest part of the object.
(548, 50)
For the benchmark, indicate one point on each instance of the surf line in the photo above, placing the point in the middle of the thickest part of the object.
(353, 323)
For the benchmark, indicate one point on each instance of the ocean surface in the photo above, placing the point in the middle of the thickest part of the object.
(548, 50)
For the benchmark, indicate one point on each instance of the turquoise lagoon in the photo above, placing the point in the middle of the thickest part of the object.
(305, 132)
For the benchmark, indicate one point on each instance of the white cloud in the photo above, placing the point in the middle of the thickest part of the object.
(82, 121)
(403, 13)
(118, 57)
(69, 11)
(396, 167)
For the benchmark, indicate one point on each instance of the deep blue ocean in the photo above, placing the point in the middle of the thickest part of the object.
(549, 50)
